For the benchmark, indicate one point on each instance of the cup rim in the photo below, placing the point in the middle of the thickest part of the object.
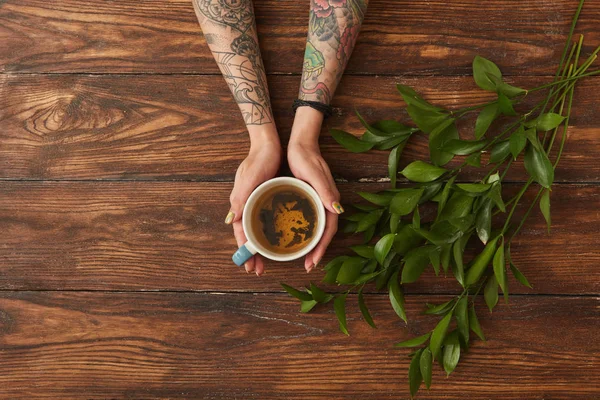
(320, 229)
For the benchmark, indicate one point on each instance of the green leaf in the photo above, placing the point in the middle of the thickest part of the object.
(333, 270)
(416, 221)
(438, 138)
(496, 196)
(396, 296)
(425, 365)
(500, 269)
(422, 172)
(441, 233)
(474, 323)
(339, 305)
(464, 147)
(415, 263)
(474, 188)
(350, 270)
(434, 258)
(430, 192)
(414, 374)
(438, 335)
(393, 160)
(394, 222)
(306, 306)
(393, 128)
(500, 151)
(483, 221)
(462, 318)
(490, 293)
(481, 69)
(515, 271)
(480, 262)
(548, 121)
(364, 250)
(406, 239)
(318, 294)
(414, 342)
(474, 160)
(376, 198)
(539, 166)
(350, 142)
(370, 267)
(364, 310)
(451, 352)
(445, 195)
(297, 293)
(426, 120)
(517, 142)
(336, 261)
(505, 105)
(545, 208)
(349, 227)
(394, 141)
(440, 309)
(508, 90)
(365, 207)
(532, 136)
(411, 97)
(405, 201)
(369, 221)
(368, 127)
(459, 271)
(485, 119)
(383, 247)
(458, 206)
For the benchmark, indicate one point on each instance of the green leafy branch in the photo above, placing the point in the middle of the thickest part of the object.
(398, 246)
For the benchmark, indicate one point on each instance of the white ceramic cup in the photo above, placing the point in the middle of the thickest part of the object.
(253, 246)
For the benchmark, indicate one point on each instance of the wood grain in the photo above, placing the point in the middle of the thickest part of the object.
(188, 127)
(171, 236)
(437, 37)
(224, 346)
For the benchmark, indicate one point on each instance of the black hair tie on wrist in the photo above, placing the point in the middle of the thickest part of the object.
(324, 108)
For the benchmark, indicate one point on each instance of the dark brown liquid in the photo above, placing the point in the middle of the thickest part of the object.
(284, 219)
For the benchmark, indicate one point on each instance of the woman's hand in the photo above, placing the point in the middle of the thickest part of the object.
(307, 164)
(261, 164)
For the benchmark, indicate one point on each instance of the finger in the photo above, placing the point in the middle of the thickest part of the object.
(237, 199)
(315, 256)
(324, 184)
(240, 237)
(259, 265)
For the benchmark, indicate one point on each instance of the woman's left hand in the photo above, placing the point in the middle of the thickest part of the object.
(307, 164)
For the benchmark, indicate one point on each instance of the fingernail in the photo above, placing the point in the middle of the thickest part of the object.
(257, 274)
(229, 218)
(337, 207)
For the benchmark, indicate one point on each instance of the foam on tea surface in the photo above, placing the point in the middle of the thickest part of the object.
(286, 219)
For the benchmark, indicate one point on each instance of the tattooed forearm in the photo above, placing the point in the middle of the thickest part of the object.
(332, 32)
(230, 32)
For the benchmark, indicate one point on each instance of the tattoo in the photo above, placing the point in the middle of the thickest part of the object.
(242, 66)
(333, 29)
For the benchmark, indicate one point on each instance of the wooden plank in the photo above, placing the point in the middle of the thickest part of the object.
(438, 37)
(171, 236)
(188, 127)
(217, 346)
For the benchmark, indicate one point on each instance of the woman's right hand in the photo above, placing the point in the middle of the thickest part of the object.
(261, 164)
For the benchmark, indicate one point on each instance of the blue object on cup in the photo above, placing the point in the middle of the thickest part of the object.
(243, 254)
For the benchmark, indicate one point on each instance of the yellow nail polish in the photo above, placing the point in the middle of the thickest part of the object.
(337, 207)
(230, 217)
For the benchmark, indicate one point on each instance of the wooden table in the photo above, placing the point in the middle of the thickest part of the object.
(118, 146)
